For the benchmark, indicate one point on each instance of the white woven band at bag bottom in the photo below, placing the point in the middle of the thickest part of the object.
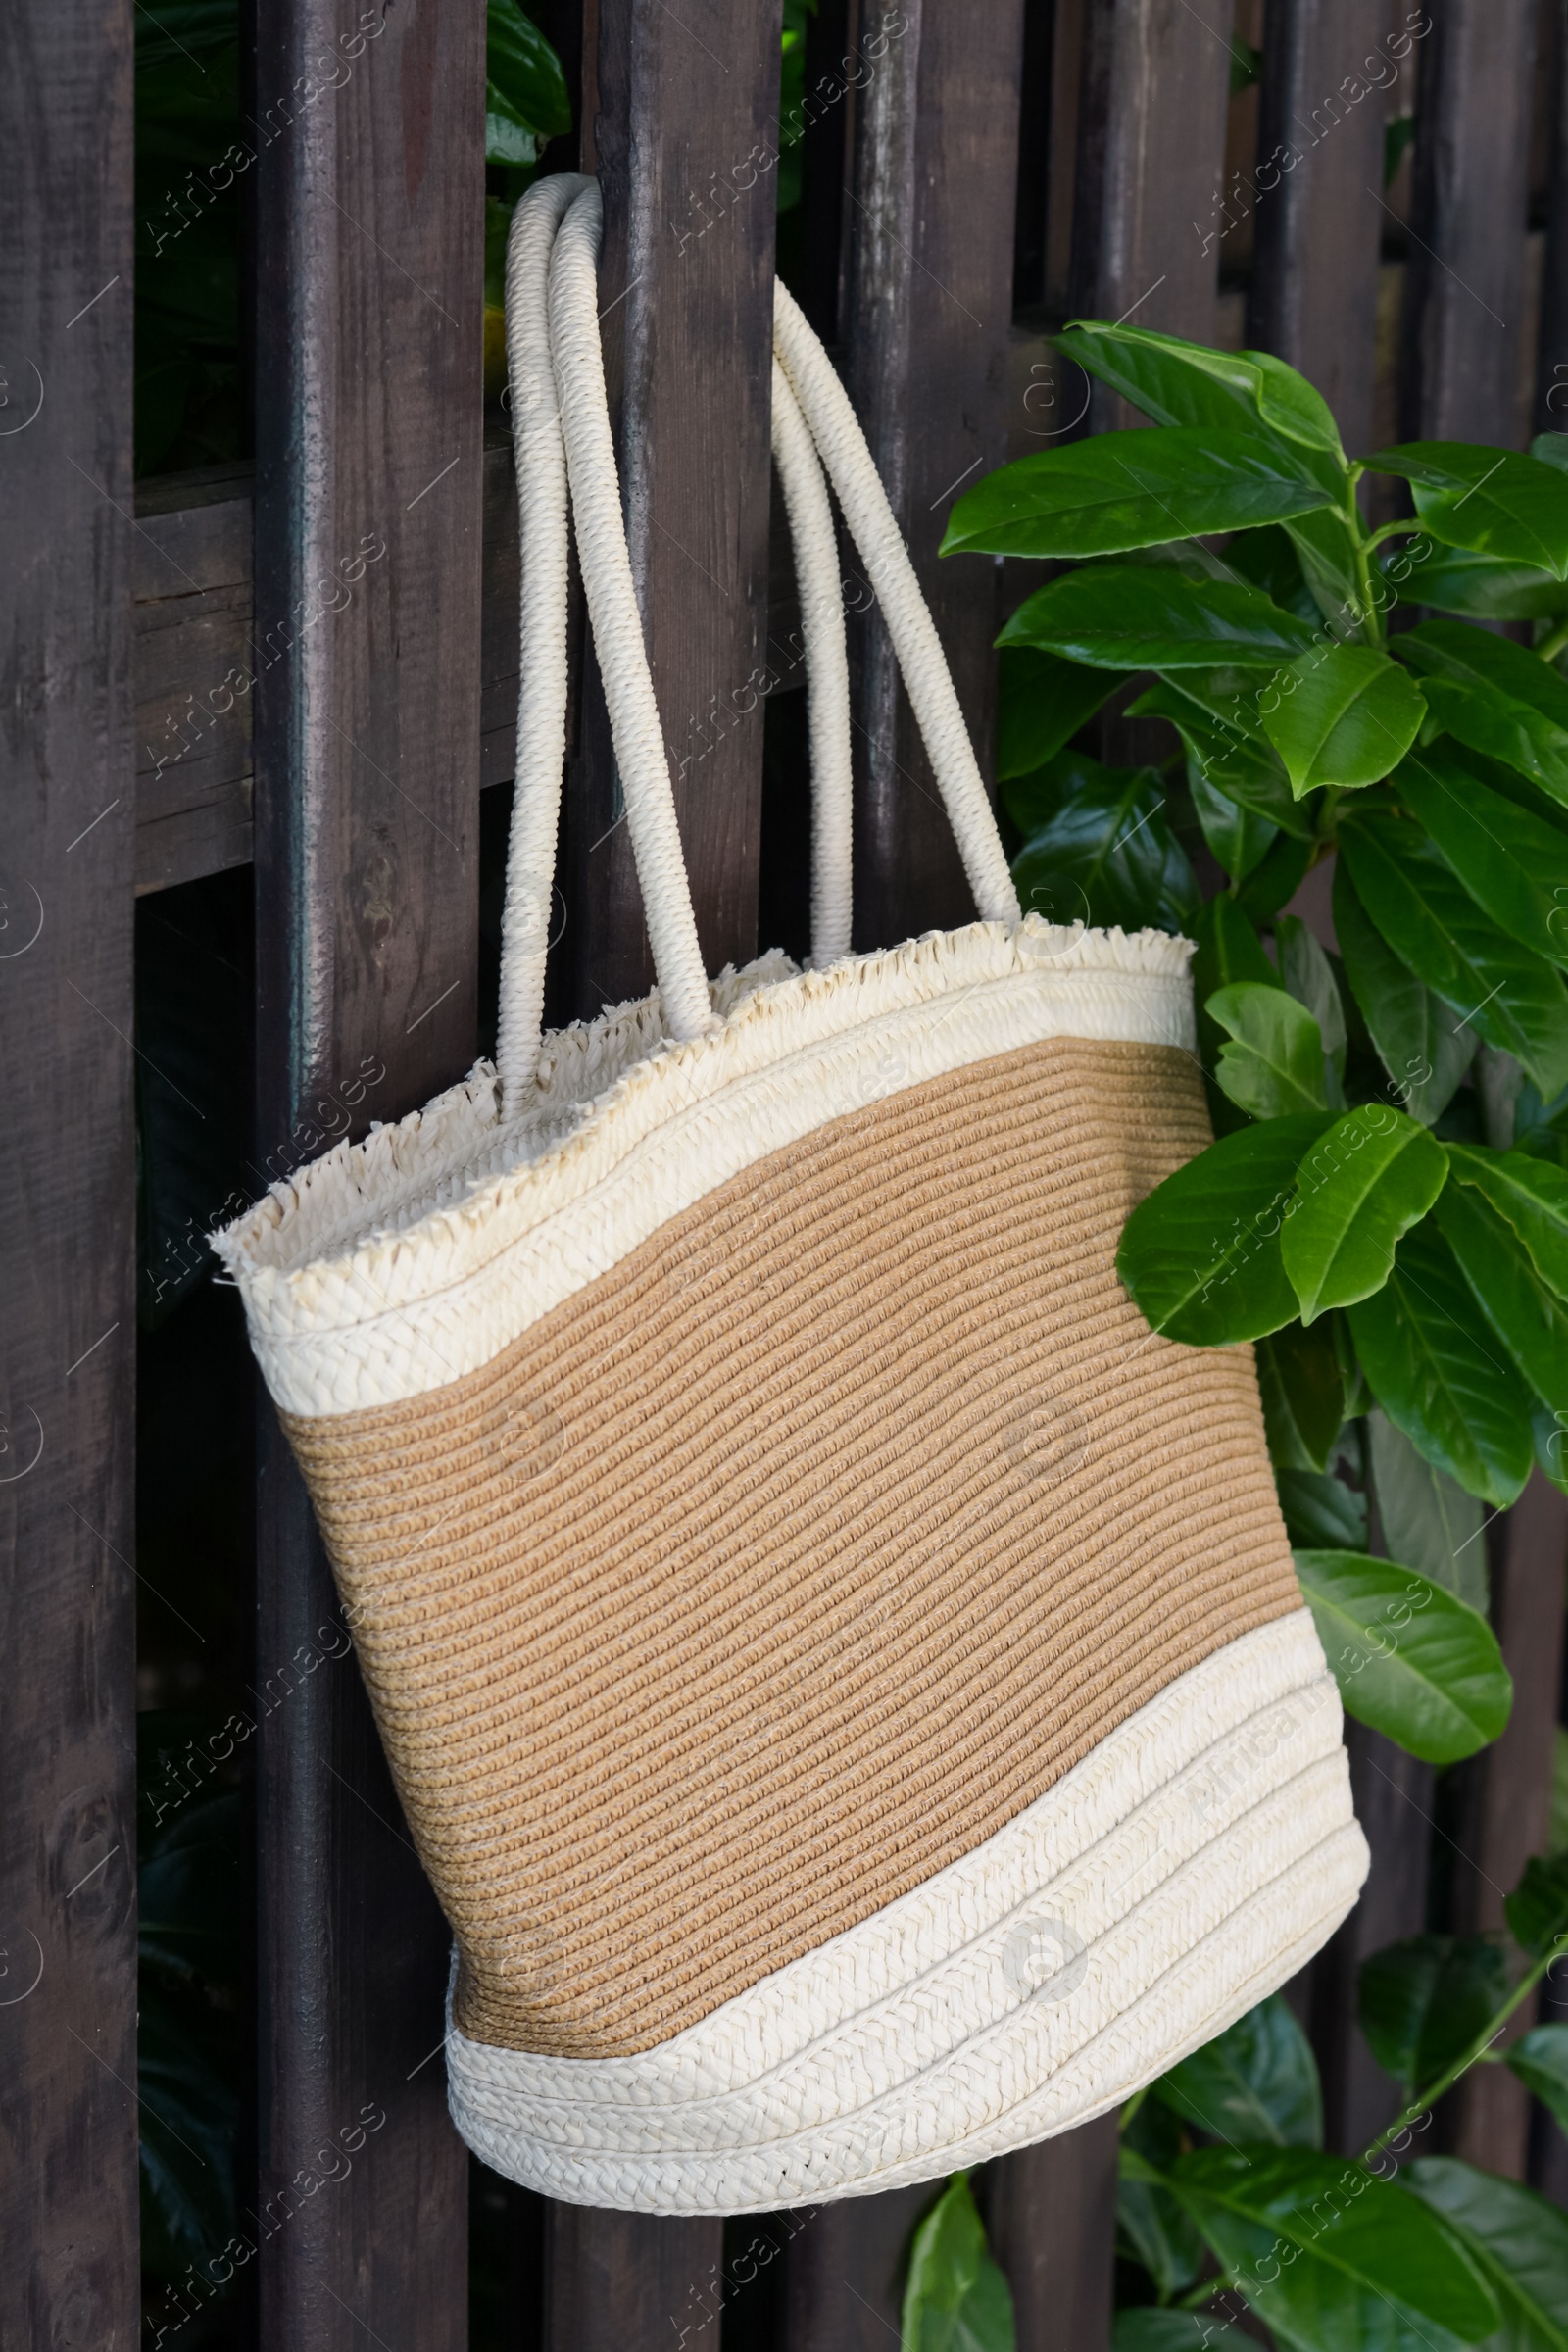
(1186, 1869)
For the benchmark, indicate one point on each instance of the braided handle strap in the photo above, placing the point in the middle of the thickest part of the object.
(561, 433)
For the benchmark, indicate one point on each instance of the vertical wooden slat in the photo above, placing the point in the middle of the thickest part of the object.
(926, 329)
(1464, 358)
(367, 510)
(676, 107)
(68, 1879)
(1317, 214)
(1052, 2216)
(678, 111)
(615, 2281)
(1150, 157)
(1552, 359)
(1393, 1797)
(1505, 1793)
(846, 2264)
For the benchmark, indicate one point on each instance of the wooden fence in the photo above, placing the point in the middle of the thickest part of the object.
(971, 175)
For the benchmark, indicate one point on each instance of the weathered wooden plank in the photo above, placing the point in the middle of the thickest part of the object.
(366, 716)
(194, 647)
(1393, 1795)
(67, 1877)
(1550, 405)
(1051, 2211)
(1463, 328)
(679, 111)
(629, 2279)
(679, 107)
(844, 2288)
(1151, 159)
(926, 327)
(1504, 1795)
(1316, 202)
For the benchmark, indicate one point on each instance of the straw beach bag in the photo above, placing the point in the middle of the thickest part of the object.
(844, 1675)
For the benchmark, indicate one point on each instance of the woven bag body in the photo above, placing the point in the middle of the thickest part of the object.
(844, 1675)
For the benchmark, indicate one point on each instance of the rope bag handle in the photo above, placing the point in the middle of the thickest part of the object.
(561, 424)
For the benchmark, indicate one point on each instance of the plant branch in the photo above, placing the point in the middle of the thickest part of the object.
(1477, 2049)
(1551, 644)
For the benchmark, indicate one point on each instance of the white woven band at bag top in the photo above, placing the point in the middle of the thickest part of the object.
(561, 435)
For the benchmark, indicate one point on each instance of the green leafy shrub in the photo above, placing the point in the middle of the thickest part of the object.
(1384, 1213)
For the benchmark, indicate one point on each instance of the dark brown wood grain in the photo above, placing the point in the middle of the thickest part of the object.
(1464, 345)
(680, 113)
(67, 1857)
(846, 2266)
(1316, 202)
(1503, 1795)
(679, 107)
(366, 708)
(1050, 2214)
(1151, 154)
(1550, 405)
(926, 324)
(1393, 1795)
(614, 2281)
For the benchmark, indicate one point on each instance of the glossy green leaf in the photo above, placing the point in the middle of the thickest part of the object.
(1148, 2329)
(1234, 765)
(1516, 1000)
(1257, 2082)
(1201, 1256)
(1527, 1316)
(1424, 2003)
(1366, 1181)
(1304, 1395)
(1327, 556)
(1228, 949)
(1410, 1026)
(1140, 617)
(1481, 587)
(1187, 383)
(525, 89)
(1531, 1194)
(1331, 2258)
(1410, 1659)
(1117, 491)
(1513, 864)
(1540, 2059)
(1321, 1512)
(1518, 2242)
(188, 2116)
(1276, 878)
(1273, 1062)
(1493, 500)
(1238, 838)
(1345, 718)
(180, 1927)
(1105, 853)
(957, 2298)
(1268, 559)
(1536, 1911)
(1160, 2231)
(1307, 973)
(1496, 697)
(1429, 1521)
(1552, 449)
(1041, 704)
(1440, 1375)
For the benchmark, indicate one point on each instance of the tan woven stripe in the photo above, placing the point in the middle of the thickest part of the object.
(791, 1559)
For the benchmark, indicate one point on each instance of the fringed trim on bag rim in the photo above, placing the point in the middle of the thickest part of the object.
(451, 1183)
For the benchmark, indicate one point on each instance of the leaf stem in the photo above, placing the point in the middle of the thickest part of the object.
(1551, 644)
(1361, 547)
(1477, 2049)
